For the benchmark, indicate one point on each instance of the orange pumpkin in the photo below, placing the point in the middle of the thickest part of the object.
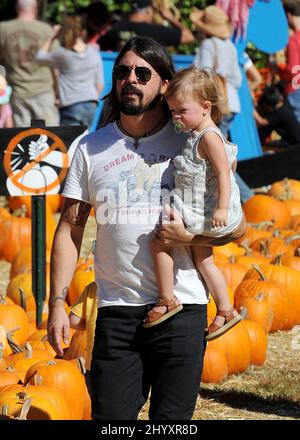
(15, 320)
(16, 234)
(258, 310)
(266, 208)
(26, 405)
(8, 377)
(286, 188)
(80, 280)
(258, 342)
(64, 376)
(214, 365)
(235, 344)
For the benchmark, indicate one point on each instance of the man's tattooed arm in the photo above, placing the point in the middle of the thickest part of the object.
(75, 212)
(61, 297)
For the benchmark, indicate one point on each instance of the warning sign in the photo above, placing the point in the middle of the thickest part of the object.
(36, 160)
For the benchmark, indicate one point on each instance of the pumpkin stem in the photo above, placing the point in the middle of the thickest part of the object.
(262, 225)
(292, 238)
(4, 410)
(28, 350)
(81, 364)
(261, 274)
(2, 299)
(13, 345)
(277, 260)
(297, 252)
(243, 312)
(35, 377)
(245, 245)
(260, 296)
(25, 408)
(22, 299)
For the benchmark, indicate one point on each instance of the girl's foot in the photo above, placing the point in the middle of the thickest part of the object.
(224, 321)
(163, 309)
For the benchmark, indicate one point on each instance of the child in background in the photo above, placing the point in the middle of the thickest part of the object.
(6, 120)
(213, 210)
(83, 316)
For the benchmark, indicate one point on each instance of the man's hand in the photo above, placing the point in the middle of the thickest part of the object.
(58, 327)
(172, 231)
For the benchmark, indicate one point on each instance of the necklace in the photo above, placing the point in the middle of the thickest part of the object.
(137, 138)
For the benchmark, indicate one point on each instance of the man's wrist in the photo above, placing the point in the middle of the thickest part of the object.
(57, 301)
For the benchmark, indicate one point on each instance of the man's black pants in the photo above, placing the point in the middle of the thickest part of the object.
(129, 359)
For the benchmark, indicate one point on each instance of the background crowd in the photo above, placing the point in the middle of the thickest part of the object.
(55, 72)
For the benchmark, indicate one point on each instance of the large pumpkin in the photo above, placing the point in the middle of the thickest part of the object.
(63, 375)
(258, 310)
(15, 320)
(266, 208)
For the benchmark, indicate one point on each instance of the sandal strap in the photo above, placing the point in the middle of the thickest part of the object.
(227, 314)
(166, 302)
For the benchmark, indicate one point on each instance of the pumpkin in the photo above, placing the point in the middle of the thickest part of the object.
(286, 188)
(80, 280)
(262, 207)
(235, 344)
(15, 320)
(290, 278)
(233, 273)
(258, 342)
(258, 310)
(272, 246)
(64, 376)
(26, 405)
(275, 293)
(22, 263)
(16, 234)
(8, 377)
(214, 365)
(77, 347)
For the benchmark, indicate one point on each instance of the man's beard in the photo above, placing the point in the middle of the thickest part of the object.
(133, 109)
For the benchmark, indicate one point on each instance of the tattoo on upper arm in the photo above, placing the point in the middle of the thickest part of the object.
(75, 212)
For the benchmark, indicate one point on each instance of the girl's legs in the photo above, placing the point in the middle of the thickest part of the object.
(216, 283)
(163, 265)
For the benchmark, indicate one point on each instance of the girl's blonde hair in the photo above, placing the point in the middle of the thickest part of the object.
(202, 85)
(71, 29)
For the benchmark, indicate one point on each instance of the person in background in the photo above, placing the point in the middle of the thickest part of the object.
(5, 108)
(140, 22)
(275, 113)
(291, 73)
(253, 75)
(218, 52)
(97, 21)
(33, 94)
(80, 79)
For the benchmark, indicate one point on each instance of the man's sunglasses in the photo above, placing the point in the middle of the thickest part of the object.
(142, 73)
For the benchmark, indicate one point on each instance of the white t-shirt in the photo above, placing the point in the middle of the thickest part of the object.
(124, 185)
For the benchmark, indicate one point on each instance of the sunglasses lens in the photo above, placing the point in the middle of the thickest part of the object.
(142, 73)
(120, 72)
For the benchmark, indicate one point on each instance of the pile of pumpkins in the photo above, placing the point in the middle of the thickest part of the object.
(263, 278)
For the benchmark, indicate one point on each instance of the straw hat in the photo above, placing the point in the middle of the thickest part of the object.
(212, 21)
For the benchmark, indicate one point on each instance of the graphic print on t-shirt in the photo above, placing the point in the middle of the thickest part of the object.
(135, 194)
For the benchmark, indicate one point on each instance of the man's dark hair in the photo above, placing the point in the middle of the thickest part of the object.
(270, 98)
(152, 52)
(292, 6)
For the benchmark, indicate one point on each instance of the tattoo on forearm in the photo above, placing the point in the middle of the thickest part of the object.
(75, 212)
(61, 297)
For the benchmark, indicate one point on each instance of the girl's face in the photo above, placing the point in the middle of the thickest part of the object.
(187, 113)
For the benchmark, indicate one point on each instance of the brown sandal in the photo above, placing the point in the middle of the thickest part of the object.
(214, 330)
(154, 318)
